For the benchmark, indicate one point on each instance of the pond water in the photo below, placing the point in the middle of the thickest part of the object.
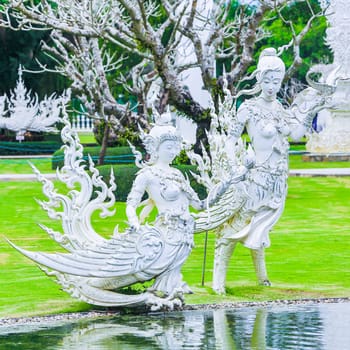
(297, 327)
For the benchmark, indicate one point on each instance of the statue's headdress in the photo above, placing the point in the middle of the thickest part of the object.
(268, 60)
(162, 130)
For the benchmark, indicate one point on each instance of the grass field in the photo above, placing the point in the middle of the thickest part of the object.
(309, 256)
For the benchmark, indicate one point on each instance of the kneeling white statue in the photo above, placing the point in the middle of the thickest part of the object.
(95, 269)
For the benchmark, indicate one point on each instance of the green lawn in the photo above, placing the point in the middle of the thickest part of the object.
(309, 256)
(21, 166)
(87, 137)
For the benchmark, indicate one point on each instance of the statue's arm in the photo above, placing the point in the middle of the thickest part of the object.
(303, 110)
(215, 193)
(193, 198)
(300, 125)
(134, 199)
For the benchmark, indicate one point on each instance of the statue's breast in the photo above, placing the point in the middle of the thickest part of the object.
(268, 130)
(170, 191)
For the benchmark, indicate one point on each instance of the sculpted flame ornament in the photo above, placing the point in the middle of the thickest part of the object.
(94, 268)
(25, 113)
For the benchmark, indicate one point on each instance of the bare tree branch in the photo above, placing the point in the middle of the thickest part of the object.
(151, 30)
(296, 37)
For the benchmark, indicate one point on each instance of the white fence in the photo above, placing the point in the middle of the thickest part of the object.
(82, 123)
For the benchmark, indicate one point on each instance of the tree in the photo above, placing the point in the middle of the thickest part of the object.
(83, 34)
(24, 48)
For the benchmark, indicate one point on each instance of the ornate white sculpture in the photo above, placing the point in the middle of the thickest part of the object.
(26, 113)
(94, 267)
(333, 124)
(247, 211)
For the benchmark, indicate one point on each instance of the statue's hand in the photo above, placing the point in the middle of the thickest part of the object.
(323, 103)
(216, 192)
(220, 188)
(320, 105)
(249, 159)
(241, 174)
(134, 226)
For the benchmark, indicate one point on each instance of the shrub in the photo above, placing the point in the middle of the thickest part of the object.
(115, 155)
(29, 148)
(125, 176)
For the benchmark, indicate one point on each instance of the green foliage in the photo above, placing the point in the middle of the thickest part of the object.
(114, 155)
(130, 134)
(125, 176)
(99, 130)
(312, 49)
(29, 148)
(23, 48)
(182, 158)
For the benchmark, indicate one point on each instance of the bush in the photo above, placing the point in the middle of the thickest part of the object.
(29, 148)
(125, 176)
(115, 155)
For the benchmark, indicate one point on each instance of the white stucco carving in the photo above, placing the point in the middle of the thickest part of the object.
(26, 113)
(247, 211)
(94, 267)
(246, 194)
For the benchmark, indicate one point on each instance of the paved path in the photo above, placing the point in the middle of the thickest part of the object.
(320, 172)
(24, 177)
(292, 172)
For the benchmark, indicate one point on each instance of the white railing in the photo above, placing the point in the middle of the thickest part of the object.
(82, 123)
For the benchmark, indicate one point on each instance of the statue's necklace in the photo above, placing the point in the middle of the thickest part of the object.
(171, 183)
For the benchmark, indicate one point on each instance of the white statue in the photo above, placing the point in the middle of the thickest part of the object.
(25, 113)
(94, 267)
(250, 209)
(333, 124)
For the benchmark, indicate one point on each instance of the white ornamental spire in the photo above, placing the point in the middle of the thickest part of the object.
(338, 35)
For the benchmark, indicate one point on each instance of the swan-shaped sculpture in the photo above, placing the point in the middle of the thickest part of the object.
(94, 269)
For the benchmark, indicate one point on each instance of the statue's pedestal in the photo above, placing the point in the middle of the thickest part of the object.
(329, 157)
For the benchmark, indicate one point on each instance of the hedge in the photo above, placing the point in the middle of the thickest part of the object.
(29, 147)
(115, 155)
(125, 175)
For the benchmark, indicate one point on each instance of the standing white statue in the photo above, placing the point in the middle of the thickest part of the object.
(249, 210)
(94, 269)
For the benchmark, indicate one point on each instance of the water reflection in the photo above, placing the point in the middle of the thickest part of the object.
(271, 328)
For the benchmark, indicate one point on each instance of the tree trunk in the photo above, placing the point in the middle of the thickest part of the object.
(104, 144)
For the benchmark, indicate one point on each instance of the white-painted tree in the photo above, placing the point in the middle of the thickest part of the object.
(88, 37)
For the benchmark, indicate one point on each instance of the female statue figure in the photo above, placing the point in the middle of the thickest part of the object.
(172, 195)
(269, 125)
(95, 269)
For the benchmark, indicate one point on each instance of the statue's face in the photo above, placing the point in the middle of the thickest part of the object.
(168, 150)
(270, 84)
